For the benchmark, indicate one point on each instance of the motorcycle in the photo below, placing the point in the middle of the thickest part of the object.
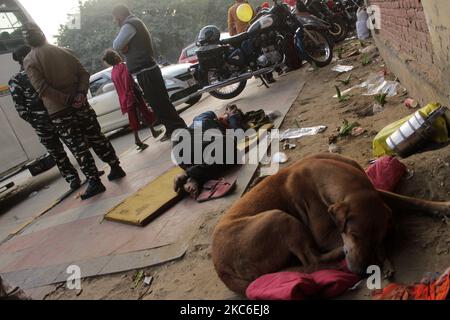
(347, 9)
(224, 66)
(339, 27)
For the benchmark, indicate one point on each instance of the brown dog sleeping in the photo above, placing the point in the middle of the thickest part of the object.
(308, 217)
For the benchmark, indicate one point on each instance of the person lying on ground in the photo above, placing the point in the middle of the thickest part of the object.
(210, 167)
(130, 97)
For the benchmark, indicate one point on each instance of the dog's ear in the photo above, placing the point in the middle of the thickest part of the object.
(339, 213)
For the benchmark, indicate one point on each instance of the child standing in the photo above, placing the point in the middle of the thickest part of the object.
(130, 97)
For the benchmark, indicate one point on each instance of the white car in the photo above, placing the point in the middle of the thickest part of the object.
(180, 83)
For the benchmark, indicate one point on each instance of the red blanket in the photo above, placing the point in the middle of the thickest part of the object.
(323, 284)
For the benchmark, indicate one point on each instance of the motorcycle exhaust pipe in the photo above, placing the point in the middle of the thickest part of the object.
(240, 78)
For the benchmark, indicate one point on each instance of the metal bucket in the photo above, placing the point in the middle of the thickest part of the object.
(411, 136)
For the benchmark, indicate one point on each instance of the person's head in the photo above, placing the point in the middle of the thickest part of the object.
(20, 53)
(33, 35)
(111, 57)
(120, 13)
(231, 108)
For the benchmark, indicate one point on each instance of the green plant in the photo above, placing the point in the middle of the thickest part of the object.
(381, 99)
(341, 98)
(366, 60)
(347, 128)
(340, 51)
(346, 81)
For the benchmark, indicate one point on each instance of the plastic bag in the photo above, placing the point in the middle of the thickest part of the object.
(440, 135)
(361, 25)
(341, 68)
(301, 132)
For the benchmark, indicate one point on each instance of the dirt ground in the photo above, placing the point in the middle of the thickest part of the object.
(421, 244)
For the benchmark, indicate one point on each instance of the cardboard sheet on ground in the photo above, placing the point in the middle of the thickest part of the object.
(380, 147)
(149, 202)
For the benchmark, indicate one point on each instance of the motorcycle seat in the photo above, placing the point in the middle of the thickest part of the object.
(236, 39)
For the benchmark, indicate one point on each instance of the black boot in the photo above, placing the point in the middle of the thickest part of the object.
(116, 173)
(75, 184)
(94, 188)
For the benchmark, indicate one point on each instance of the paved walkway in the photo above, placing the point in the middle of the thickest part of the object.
(74, 232)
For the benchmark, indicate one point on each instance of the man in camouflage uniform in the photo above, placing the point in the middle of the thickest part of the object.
(31, 108)
(63, 83)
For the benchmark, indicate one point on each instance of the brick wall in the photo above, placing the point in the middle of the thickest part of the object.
(406, 44)
(403, 24)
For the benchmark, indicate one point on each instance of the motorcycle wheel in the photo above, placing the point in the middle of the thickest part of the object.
(229, 92)
(318, 47)
(339, 29)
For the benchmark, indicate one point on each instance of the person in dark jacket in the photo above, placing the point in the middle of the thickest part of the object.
(31, 109)
(135, 42)
(62, 82)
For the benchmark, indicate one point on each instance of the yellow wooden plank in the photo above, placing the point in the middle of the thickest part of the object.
(149, 202)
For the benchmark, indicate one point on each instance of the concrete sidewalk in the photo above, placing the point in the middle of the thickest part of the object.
(74, 232)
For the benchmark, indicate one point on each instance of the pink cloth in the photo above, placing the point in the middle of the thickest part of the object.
(124, 83)
(386, 173)
(323, 284)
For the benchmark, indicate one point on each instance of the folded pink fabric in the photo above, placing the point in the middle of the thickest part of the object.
(323, 284)
(386, 173)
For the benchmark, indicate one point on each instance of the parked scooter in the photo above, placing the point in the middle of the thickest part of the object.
(225, 65)
(339, 27)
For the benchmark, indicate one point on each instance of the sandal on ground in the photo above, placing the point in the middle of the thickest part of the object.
(215, 189)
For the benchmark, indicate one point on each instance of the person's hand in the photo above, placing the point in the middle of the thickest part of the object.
(79, 101)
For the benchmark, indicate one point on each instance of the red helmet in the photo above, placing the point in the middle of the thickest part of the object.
(265, 5)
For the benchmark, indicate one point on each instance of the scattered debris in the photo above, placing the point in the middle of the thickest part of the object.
(280, 157)
(356, 132)
(377, 108)
(341, 68)
(289, 146)
(411, 103)
(369, 49)
(334, 148)
(301, 132)
(148, 280)
(377, 84)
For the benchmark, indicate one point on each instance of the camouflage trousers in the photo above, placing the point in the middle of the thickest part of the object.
(48, 136)
(80, 130)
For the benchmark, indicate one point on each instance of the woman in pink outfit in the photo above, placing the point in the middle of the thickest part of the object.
(130, 97)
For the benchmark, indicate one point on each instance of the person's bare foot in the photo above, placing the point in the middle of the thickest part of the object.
(192, 187)
(179, 182)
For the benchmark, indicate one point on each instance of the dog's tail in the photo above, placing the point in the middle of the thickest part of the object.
(403, 203)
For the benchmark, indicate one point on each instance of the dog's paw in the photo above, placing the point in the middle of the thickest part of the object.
(388, 269)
